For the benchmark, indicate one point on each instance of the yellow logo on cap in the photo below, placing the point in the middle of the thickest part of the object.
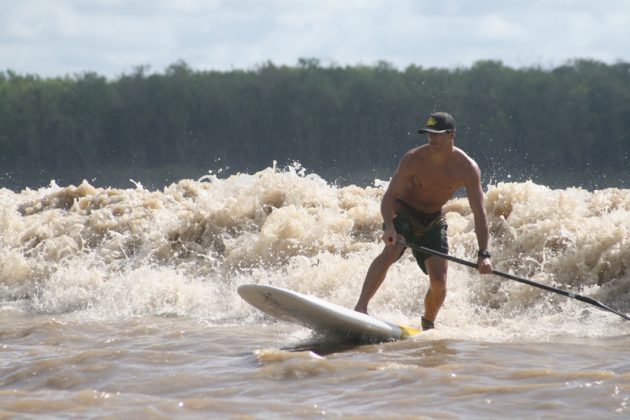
(432, 121)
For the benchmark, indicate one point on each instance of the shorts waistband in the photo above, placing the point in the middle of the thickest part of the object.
(423, 218)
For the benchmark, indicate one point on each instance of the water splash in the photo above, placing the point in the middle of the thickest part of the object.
(182, 251)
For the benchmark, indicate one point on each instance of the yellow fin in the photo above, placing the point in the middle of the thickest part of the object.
(408, 331)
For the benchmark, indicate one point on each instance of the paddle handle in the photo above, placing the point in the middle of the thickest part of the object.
(520, 280)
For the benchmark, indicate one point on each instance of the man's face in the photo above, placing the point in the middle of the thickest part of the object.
(438, 139)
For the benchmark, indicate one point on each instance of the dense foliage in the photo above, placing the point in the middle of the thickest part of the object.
(349, 122)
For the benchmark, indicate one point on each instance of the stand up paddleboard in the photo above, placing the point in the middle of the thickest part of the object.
(321, 316)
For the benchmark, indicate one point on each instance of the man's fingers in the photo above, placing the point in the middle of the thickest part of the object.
(485, 269)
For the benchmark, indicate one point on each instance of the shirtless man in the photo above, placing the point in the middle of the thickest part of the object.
(426, 178)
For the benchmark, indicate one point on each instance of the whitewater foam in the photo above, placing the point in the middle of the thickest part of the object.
(115, 253)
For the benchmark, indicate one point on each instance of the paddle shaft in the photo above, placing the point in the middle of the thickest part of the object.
(520, 280)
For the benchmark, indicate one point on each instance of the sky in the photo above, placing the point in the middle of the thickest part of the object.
(113, 37)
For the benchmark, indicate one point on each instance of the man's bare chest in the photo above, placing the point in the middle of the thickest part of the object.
(437, 180)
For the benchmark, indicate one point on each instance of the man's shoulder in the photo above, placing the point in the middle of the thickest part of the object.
(415, 154)
(418, 152)
(467, 167)
(465, 160)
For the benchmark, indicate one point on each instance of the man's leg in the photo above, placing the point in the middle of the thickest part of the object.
(376, 274)
(437, 268)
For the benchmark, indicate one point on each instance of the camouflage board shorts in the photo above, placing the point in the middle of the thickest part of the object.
(421, 229)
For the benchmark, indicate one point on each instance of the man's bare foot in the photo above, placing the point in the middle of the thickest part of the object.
(361, 309)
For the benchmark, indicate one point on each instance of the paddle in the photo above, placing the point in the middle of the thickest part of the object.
(521, 280)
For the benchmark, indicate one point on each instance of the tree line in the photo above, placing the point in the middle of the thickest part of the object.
(570, 123)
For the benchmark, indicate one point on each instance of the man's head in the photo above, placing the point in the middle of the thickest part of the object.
(439, 122)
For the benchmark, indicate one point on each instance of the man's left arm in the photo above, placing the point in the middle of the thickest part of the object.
(474, 192)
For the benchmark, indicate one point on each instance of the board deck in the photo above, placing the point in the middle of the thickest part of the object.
(321, 316)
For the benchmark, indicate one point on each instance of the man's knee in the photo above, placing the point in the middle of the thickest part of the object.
(438, 269)
(437, 283)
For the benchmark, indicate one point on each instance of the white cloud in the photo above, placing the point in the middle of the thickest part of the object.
(114, 36)
(495, 27)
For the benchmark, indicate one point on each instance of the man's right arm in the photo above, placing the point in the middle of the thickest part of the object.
(396, 188)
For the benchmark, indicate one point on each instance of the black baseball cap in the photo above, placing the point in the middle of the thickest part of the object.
(438, 122)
